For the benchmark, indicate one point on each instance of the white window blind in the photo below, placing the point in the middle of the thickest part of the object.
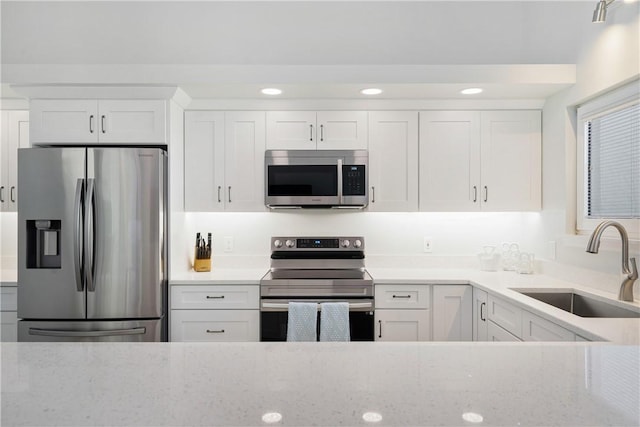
(613, 164)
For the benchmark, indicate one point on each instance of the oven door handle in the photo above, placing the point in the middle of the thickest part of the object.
(352, 305)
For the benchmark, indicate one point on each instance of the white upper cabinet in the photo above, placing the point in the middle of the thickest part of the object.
(98, 121)
(224, 161)
(14, 128)
(488, 160)
(393, 161)
(322, 130)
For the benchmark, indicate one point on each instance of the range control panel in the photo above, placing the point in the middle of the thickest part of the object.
(317, 243)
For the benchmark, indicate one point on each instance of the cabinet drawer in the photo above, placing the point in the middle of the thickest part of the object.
(403, 296)
(215, 325)
(497, 334)
(535, 328)
(9, 326)
(9, 298)
(215, 297)
(506, 315)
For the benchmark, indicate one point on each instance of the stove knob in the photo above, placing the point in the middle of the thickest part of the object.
(346, 243)
(277, 243)
(290, 243)
(357, 244)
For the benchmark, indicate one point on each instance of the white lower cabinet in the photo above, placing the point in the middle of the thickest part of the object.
(496, 333)
(452, 313)
(535, 328)
(9, 314)
(402, 325)
(222, 313)
(505, 314)
(480, 320)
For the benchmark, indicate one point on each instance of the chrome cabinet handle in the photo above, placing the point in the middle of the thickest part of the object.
(475, 194)
(91, 123)
(401, 296)
(219, 188)
(373, 194)
(210, 331)
(311, 133)
(102, 124)
(2, 194)
(379, 328)
(229, 194)
(78, 249)
(486, 193)
(321, 133)
(215, 297)
(13, 199)
(482, 317)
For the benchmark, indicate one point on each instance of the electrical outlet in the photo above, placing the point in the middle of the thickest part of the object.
(428, 244)
(228, 244)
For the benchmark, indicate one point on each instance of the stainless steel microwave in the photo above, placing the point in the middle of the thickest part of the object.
(316, 179)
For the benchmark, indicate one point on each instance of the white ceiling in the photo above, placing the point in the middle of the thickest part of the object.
(311, 49)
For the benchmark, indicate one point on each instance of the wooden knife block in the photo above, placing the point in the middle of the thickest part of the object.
(202, 264)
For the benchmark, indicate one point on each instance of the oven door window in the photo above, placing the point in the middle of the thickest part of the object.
(273, 325)
(302, 180)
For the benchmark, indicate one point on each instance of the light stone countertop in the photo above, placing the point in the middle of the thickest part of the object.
(325, 384)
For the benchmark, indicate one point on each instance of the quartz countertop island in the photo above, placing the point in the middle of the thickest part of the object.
(328, 384)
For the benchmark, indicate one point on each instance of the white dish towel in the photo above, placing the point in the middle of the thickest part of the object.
(334, 321)
(302, 321)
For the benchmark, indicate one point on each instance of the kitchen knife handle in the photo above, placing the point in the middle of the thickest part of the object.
(91, 123)
(77, 246)
(373, 194)
(311, 133)
(475, 194)
(486, 193)
(219, 188)
(89, 233)
(13, 189)
(104, 130)
(229, 194)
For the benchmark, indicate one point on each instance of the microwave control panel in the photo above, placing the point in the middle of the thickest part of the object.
(353, 180)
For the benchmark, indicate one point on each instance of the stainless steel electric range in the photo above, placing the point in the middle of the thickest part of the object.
(316, 269)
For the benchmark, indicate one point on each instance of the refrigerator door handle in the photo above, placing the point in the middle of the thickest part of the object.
(77, 234)
(80, 334)
(89, 235)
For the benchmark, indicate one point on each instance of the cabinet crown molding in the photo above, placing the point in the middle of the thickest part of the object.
(101, 92)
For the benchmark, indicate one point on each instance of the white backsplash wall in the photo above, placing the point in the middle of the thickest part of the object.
(386, 234)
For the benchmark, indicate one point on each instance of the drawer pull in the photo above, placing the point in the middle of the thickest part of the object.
(380, 329)
(221, 331)
(215, 297)
(401, 296)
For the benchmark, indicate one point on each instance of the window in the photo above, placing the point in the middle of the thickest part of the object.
(609, 160)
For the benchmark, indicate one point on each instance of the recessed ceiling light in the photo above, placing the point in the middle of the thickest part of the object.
(472, 417)
(471, 91)
(372, 417)
(271, 91)
(272, 417)
(371, 91)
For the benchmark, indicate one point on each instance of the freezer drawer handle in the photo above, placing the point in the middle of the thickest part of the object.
(215, 297)
(221, 331)
(80, 334)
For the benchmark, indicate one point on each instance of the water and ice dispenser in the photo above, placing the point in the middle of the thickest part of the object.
(43, 243)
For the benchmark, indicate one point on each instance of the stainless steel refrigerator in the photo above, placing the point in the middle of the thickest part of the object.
(92, 260)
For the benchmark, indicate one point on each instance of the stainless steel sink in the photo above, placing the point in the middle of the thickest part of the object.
(580, 305)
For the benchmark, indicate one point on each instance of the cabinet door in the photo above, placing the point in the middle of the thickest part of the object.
(5, 149)
(64, 121)
(291, 130)
(203, 161)
(480, 322)
(497, 334)
(449, 161)
(18, 137)
(244, 160)
(393, 161)
(452, 313)
(215, 325)
(342, 130)
(132, 121)
(511, 161)
(402, 325)
(506, 315)
(9, 326)
(535, 328)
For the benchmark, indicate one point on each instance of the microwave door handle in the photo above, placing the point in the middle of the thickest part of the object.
(340, 181)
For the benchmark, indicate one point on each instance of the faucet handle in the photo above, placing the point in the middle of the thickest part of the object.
(633, 275)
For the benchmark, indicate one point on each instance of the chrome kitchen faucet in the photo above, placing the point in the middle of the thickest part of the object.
(626, 288)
